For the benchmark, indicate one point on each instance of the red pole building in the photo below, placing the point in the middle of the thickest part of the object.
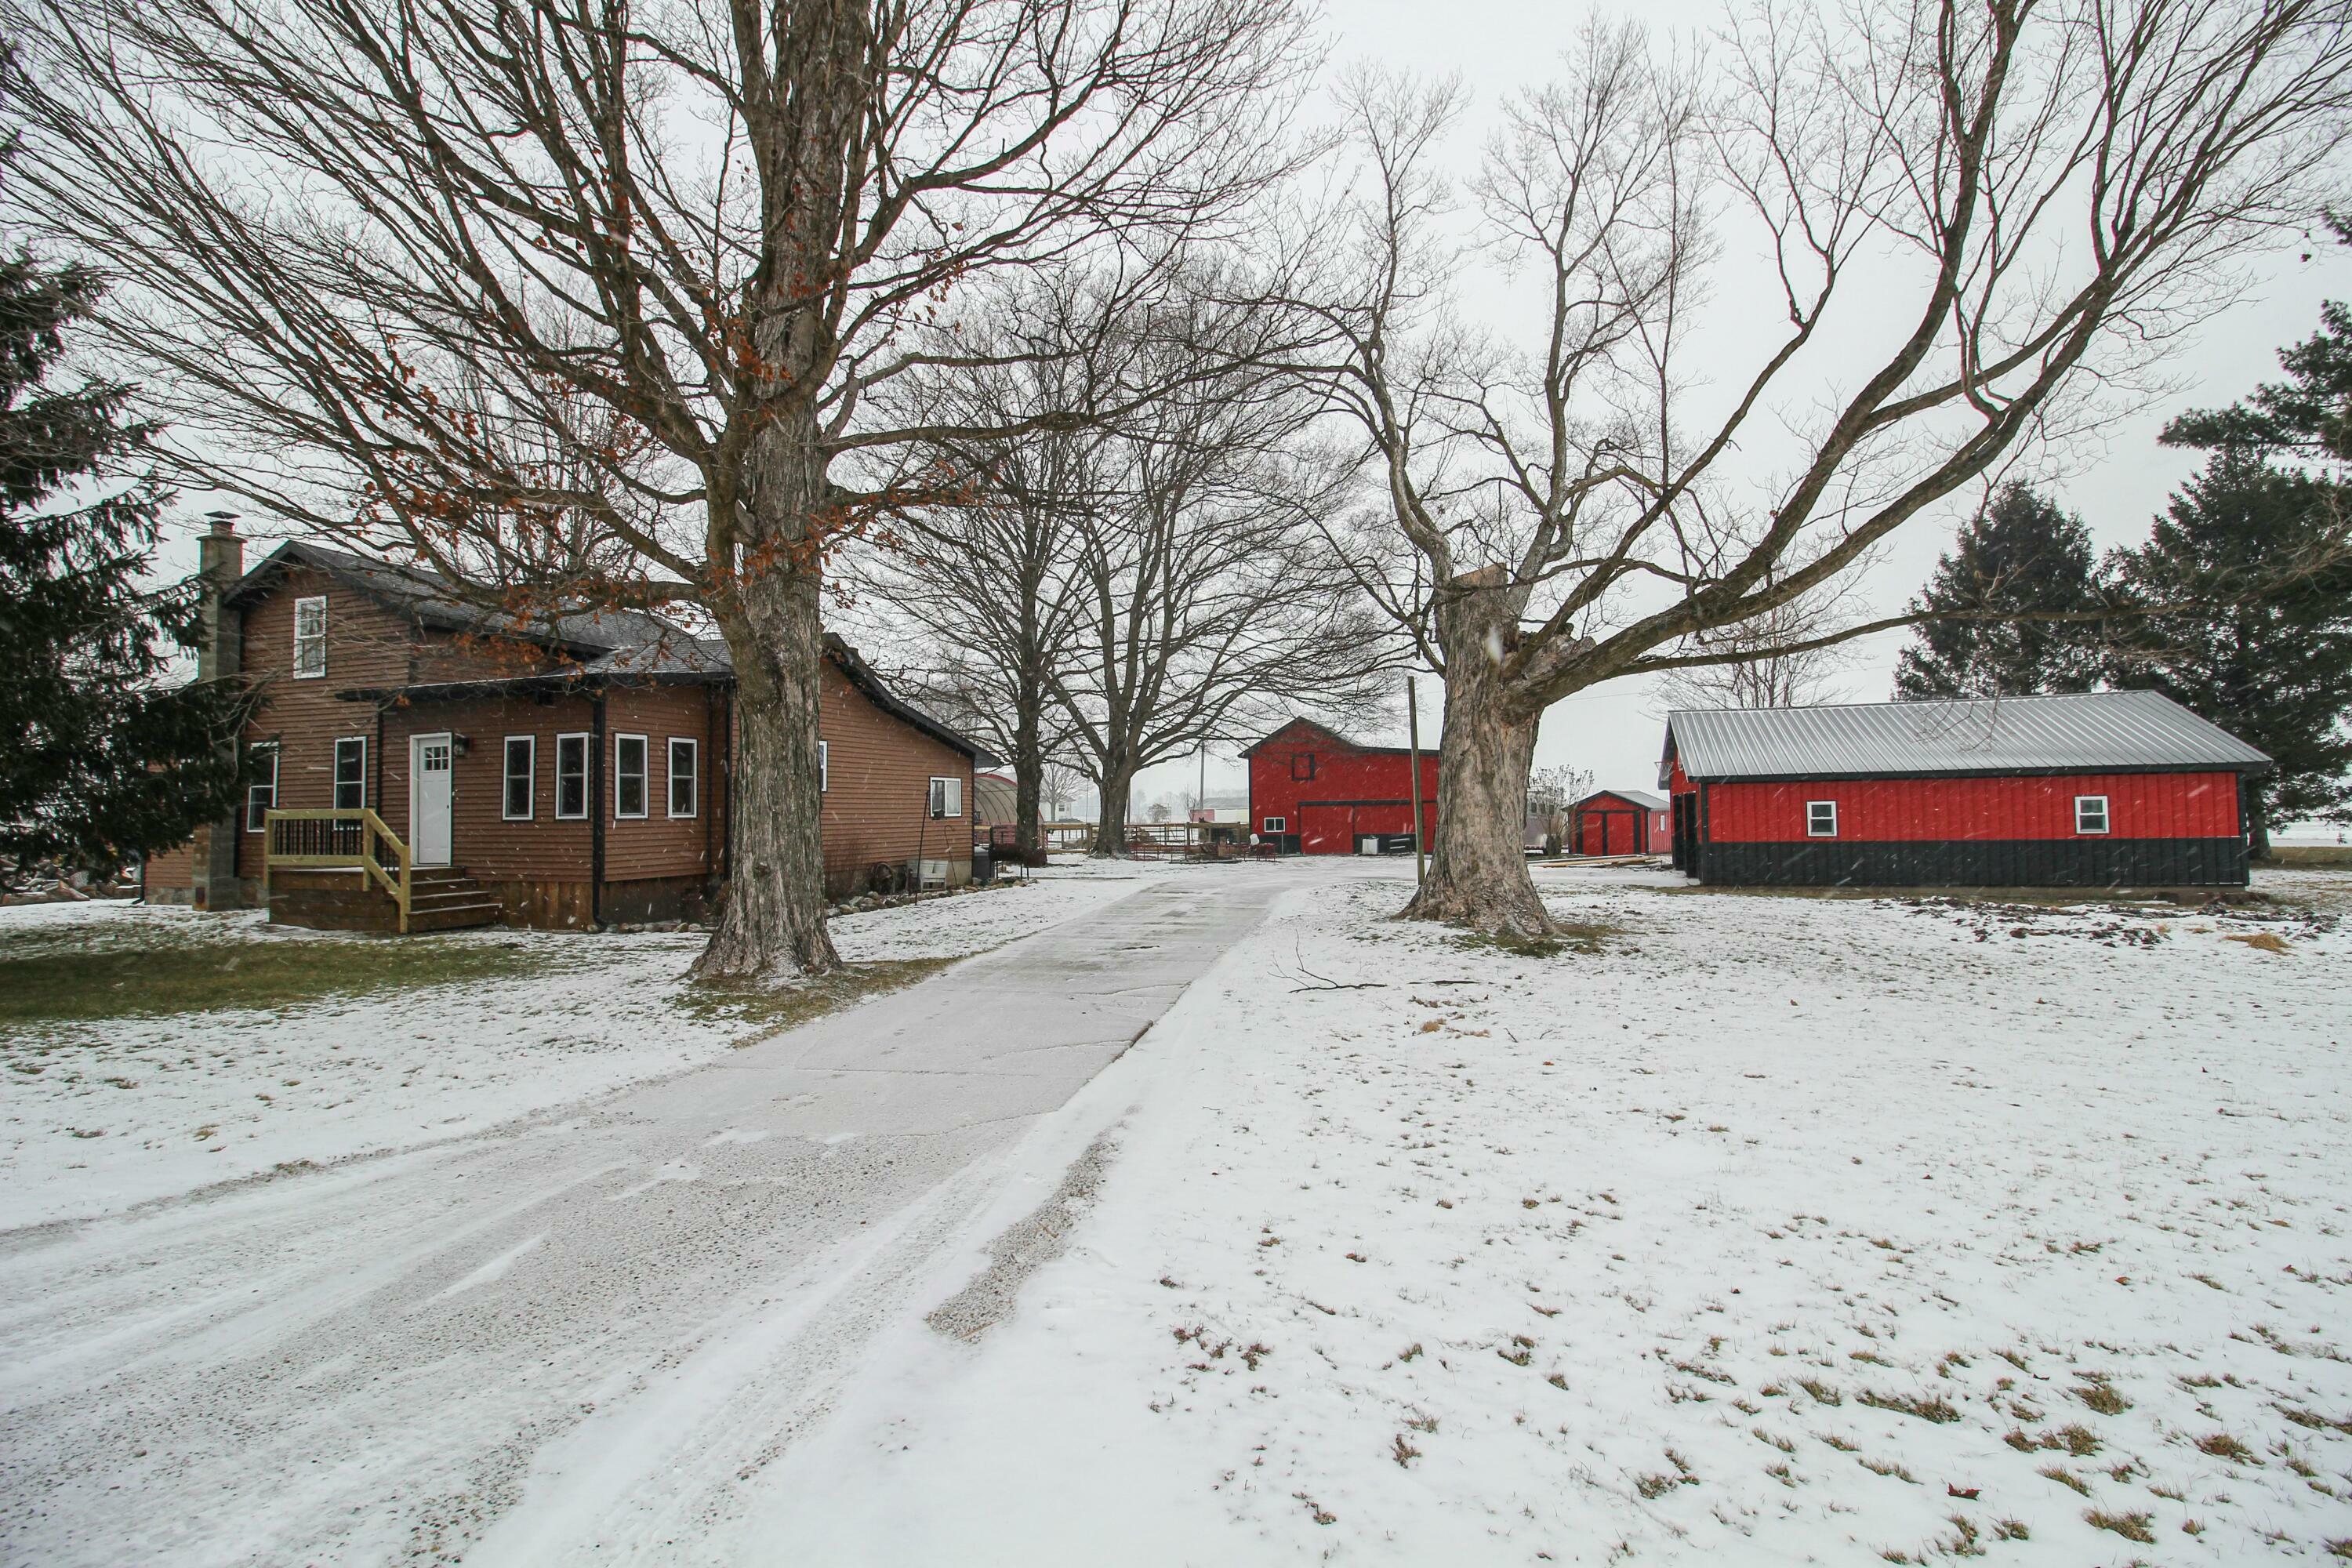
(1314, 791)
(2080, 789)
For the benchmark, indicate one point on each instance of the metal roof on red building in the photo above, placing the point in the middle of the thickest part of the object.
(2094, 731)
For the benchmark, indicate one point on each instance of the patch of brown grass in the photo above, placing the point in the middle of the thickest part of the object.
(2265, 940)
(2222, 1445)
(2130, 1526)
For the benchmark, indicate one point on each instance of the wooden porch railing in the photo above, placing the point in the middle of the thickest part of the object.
(338, 840)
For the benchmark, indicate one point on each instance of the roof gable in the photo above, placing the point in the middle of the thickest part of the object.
(1632, 797)
(1306, 733)
(429, 599)
(2083, 731)
(1302, 732)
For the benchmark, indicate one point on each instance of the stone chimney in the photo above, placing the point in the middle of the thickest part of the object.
(220, 562)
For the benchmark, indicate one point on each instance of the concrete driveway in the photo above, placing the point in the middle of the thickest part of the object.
(589, 1326)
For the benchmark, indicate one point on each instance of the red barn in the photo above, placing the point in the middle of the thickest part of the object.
(2079, 790)
(1314, 791)
(1618, 822)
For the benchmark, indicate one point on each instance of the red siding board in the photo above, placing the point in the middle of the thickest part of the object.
(1349, 793)
(1946, 810)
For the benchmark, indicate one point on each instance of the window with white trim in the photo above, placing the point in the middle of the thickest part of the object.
(685, 777)
(1277, 824)
(2090, 814)
(628, 777)
(1820, 819)
(823, 769)
(261, 794)
(518, 798)
(570, 777)
(311, 639)
(947, 797)
(350, 774)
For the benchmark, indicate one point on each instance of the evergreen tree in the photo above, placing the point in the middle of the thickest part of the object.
(103, 760)
(2308, 415)
(2019, 557)
(2272, 661)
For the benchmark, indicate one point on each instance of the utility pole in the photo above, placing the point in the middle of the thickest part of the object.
(1412, 722)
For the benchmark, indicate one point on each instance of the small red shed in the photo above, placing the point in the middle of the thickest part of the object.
(2080, 789)
(1314, 791)
(1618, 822)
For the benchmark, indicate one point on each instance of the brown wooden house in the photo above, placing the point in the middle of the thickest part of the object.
(569, 773)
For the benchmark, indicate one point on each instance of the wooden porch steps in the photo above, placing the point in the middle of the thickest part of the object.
(443, 898)
(440, 899)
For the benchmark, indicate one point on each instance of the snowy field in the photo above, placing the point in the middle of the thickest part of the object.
(1776, 1230)
(100, 1114)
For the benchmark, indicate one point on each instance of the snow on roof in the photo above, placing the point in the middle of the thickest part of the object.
(2108, 731)
(1641, 798)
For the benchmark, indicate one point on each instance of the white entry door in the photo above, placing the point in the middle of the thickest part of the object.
(428, 799)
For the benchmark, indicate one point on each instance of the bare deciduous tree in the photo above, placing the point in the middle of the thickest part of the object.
(375, 257)
(1058, 784)
(1788, 657)
(1211, 600)
(1972, 215)
(980, 594)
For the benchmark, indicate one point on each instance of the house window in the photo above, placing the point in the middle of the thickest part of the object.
(1302, 766)
(683, 778)
(1277, 824)
(628, 775)
(2090, 814)
(519, 803)
(1820, 819)
(824, 770)
(350, 774)
(309, 639)
(947, 797)
(261, 794)
(570, 777)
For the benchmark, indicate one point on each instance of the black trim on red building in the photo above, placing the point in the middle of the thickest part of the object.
(1978, 863)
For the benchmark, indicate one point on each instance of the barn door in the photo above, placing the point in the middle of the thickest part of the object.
(1327, 830)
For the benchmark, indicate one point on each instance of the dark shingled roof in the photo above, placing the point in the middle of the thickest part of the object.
(626, 646)
(426, 598)
(2083, 731)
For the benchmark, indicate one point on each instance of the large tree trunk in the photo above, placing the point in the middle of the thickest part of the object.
(1111, 820)
(771, 922)
(1028, 772)
(1478, 867)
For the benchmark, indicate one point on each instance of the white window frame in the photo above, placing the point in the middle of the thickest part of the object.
(312, 640)
(2107, 817)
(645, 778)
(335, 780)
(946, 799)
(693, 774)
(1813, 809)
(1276, 825)
(529, 811)
(262, 795)
(586, 776)
(823, 769)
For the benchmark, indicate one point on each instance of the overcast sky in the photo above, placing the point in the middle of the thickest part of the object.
(2115, 485)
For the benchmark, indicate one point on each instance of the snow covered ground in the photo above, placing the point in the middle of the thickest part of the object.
(1776, 1230)
(96, 1116)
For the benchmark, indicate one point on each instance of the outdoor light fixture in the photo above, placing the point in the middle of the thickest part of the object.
(459, 745)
